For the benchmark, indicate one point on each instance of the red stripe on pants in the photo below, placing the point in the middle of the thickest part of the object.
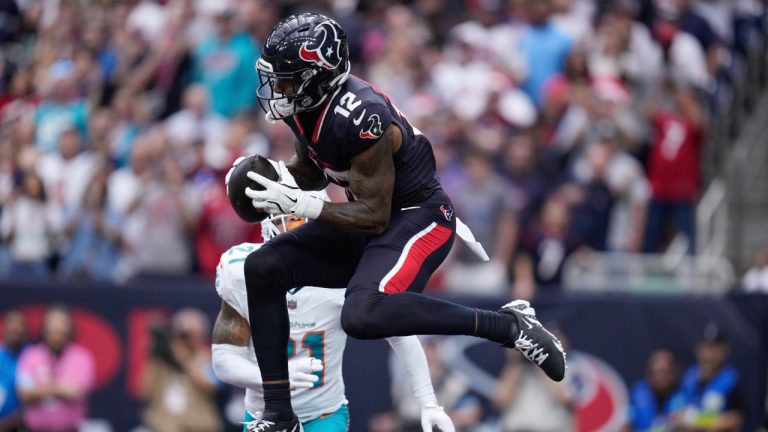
(417, 254)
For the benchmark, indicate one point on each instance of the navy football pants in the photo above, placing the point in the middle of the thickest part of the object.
(383, 275)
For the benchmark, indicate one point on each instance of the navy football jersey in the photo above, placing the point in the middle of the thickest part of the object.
(353, 120)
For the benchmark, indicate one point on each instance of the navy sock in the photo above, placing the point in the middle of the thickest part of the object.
(277, 400)
(494, 326)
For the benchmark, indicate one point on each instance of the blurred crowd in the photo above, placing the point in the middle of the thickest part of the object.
(559, 126)
(46, 385)
(706, 396)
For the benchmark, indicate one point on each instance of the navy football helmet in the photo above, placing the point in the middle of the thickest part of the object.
(304, 60)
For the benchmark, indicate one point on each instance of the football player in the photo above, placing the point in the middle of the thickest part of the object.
(384, 244)
(315, 348)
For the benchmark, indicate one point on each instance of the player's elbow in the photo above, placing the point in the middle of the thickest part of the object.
(219, 362)
(379, 224)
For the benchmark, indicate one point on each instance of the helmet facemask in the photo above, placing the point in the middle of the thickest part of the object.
(312, 84)
(276, 225)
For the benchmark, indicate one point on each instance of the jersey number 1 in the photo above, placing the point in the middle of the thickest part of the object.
(314, 341)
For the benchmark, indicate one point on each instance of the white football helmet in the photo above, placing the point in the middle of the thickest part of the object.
(278, 224)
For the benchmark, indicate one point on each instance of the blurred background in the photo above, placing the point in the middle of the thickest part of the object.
(609, 154)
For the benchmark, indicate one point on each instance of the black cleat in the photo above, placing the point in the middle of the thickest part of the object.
(266, 425)
(535, 342)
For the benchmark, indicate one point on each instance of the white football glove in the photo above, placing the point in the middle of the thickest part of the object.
(283, 198)
(301, 372)
(284, 176)
(433, 416)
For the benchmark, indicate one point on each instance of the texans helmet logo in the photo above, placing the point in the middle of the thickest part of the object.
(326, 53)
(447, 211)
(373, 128)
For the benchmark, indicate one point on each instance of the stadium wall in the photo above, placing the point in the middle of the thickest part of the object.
(610, 335)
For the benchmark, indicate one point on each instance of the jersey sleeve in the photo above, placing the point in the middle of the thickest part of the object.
(365, 126)
(230, 277)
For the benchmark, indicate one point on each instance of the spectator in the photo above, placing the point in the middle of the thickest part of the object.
(528, 174)
(178, 383)
(100, 125)
(196, 123)
(544, 46)
(10, 16)
(165, 216)
(656, 400)
(529, 401)
(624, 48)
(690, 20)
(756, 278)
(451, 389)
(711, 391)
(484, 202)
(94, 237)
(544, 248)
(132, 119)
(61, 108)
(19, 100)
(223, 63)
(29, 227)
(126, 184)
(674, 163)
(14, 341)
(56, 376)
(592, 200)
(683, 54)
(219, 228)
(626, 180)
(67, 172)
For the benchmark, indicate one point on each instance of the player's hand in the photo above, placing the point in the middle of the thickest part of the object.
(284, 177)
(301, 372)
(434, 418)
(278, 198)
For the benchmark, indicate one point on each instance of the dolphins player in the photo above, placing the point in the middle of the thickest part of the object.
(315, 348)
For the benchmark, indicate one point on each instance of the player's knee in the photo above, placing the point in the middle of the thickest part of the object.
(358, 318)
(263, 268)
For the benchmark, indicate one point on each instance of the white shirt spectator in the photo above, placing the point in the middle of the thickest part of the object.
(576, 23)
(32, 224)
(65, 180)
(186, 127)
(124, 187)
(689, 61)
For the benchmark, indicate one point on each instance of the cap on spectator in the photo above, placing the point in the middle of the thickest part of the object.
(61, 70)
(713, 334)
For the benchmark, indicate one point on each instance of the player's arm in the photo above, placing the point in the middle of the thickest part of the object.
(307, 175)
(371, 180)
(231, 361)
(230, 339)
(410, 353)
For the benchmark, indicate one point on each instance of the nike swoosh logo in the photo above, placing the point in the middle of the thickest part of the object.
(359, 119)
(527, 321)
